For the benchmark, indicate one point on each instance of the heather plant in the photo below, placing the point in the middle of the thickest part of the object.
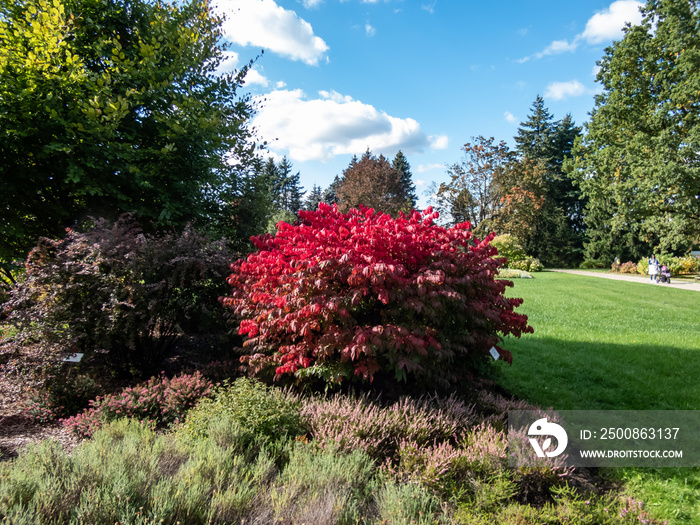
(363, 423)
(65, 396)
(115, 292)
(626, 267)
(160, 400)
(360, 294)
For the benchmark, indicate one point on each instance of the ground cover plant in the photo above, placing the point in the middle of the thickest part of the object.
(360, 294)
(602, 344)
(340, 459)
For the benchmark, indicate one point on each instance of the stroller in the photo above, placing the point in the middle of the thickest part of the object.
(665, 275)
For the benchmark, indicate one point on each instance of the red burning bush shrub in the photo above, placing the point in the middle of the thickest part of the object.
(362, 293)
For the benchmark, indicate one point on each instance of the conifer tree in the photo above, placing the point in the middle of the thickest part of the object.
(313, 199)
(401, 165)
(330, 194)
(535, 135)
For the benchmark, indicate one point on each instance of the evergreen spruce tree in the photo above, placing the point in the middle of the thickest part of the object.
(401, 165)
(291, 191)
(535, 135)
(330, 194)
(314, 197)
(556, 236)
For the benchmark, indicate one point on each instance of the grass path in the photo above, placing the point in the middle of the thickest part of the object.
(603, 344)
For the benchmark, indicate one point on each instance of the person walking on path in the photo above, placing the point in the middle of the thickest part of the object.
(654, 268)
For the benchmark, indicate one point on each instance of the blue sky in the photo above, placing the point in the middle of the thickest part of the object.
(423, 76)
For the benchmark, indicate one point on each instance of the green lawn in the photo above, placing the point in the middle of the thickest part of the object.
(604, 344)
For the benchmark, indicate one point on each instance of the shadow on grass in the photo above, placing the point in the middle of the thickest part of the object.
(587, 375)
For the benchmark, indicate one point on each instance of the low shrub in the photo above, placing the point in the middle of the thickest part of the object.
(676, 265)
(257, 408)
(626, 267)
(160, 400)
(65, 396)
(591, 264)
(509, 246)
(356, 294)
(507, 273)
(117, 292)
(530, 264)
(361, 423)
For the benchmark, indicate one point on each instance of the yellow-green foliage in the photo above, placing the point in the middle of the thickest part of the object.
(256, 408)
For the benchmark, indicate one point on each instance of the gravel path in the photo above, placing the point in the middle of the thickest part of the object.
(683, 285)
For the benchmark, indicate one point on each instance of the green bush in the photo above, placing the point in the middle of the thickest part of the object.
(530, 264)
(509, 247)
(258, 409)
(590, 264)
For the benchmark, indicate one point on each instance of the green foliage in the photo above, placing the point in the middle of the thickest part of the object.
(400, 164)
(280, 216)
(509, 247)
(593, 264)
(676, 265)
(64, 396)
(408, 503)
(470, 194)
(284, 187)
(527, 265)
(550, 204)
(112, 107)
(256, 408)
(638, 161)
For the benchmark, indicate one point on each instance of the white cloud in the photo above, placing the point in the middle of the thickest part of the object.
(265, 24)
(371, 31)
(429, 7)
(419, 182)
(558, 47)
(607, 24)
(308, 4)
(563, 90)
(422, 168)
(510, 117)
(334, 124)
(602, 27)
(439, 141)
(280, 84)
(228, 63)
(253, 76)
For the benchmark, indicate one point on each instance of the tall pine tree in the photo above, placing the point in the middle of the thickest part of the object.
(400, 164)
(313, 199)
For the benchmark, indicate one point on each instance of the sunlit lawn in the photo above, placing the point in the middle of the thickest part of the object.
(604, 344)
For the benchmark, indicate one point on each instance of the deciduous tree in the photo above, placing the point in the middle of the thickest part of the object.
(470, 192)
(373, 182)
(114, 106)
(639, 162)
